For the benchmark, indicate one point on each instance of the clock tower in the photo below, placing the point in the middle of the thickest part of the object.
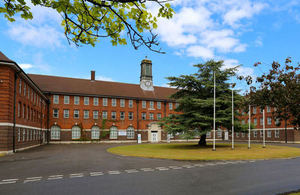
(146, 82)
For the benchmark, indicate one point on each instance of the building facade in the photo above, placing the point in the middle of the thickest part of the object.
(36, 109)
(39, 108)
(23, 109)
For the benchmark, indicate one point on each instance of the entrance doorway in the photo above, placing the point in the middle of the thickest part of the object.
(154, 136)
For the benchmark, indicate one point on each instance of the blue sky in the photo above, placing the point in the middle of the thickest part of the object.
(239, 32)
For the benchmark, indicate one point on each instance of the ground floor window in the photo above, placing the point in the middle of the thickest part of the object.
(76, 132)
(277, 133)
(237, 134)
(19, 135)
(113, 133)
(269, 133)
(208, 134)
(55, 132)
(219, 134)
(243, 134)
(254, 133)
(95, 132)
(130, 133)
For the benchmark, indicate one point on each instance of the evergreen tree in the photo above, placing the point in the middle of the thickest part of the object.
(195, 98)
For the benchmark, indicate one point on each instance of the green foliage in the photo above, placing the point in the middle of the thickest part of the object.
(279, 88)
(195, 97)
(85, 21)
(104, 134)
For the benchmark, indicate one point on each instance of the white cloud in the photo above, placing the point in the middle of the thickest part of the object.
(242, 70)
(43, 31)
(39, 36)
(258, 41)
(208, 28)
(26, 66)
(199, 51)
(103, 78)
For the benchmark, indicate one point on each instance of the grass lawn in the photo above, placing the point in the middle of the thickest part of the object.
(190, 151)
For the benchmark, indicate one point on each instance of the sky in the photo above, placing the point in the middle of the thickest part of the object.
(238, 32)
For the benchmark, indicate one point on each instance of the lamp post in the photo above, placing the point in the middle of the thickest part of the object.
(249, 123)
(214, 125)
(264, 129)
(232, 130)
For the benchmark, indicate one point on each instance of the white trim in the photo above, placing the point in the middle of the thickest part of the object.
(289, 128)
(21, 126)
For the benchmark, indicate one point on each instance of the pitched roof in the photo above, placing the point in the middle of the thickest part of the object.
(4, 58)
(64, 85)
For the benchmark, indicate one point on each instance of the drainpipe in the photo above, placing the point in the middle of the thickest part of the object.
(137, 115)
(14, 115)
(48, 124)
(41, 117)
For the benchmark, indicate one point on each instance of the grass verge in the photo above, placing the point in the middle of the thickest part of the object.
(190, 151)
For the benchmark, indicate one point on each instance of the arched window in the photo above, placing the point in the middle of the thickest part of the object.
(55, 132)
(76, 132)
(113, 132)
(95, 132)
(130, 132)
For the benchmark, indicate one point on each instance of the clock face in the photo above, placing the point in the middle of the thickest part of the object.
(148, 83)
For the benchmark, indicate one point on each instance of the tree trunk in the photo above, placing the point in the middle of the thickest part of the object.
(285, 130)
(202, 141)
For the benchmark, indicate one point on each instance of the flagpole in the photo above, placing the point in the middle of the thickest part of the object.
(264, 130)
(232, 131)
(249, 122)
(214, 125)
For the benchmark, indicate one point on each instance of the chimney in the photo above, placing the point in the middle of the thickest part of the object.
(93, 75)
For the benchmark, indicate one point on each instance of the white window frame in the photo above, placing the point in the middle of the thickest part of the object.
(104, 102)
(277, 133)
(113, 132)
(269, 120)
(95, 132)
(96, 101)
(19, 134)
(269, 133)
(170, 106)
(122, 115)
(254, 110)
(158, 104)
(55, 109)
(254, 133)
(86, 101)
(24, 135)
(144, 116)
(144, 104)
(95, 114)
(130, 132)
(76, 132)
(66, 99)
(130, 103)
(113, 115)
(66, 113)
(130, 115)
(55, 132)
(76, 112)
(255, 121)
(176, 105)
(113, 102)
(151, 116)
(20, 86)
(76, 100)
(55, 99)
(151, 103)
(104, 114)
(268, 109)
(122, 103)
(86, 114)
(158, 116)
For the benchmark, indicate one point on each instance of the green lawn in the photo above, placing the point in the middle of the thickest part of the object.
(190, 151)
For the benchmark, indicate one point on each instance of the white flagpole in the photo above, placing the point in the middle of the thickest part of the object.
(214, 130)
(264, 130)
(232, 131)
(249, 122)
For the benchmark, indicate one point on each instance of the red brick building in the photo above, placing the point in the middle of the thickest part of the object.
(78, 109)
(23, 109)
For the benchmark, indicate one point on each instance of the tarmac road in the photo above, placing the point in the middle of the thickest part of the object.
(89, 169)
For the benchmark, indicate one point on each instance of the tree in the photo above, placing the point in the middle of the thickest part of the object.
(85, 21)
(279, 88)
(195, 98)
